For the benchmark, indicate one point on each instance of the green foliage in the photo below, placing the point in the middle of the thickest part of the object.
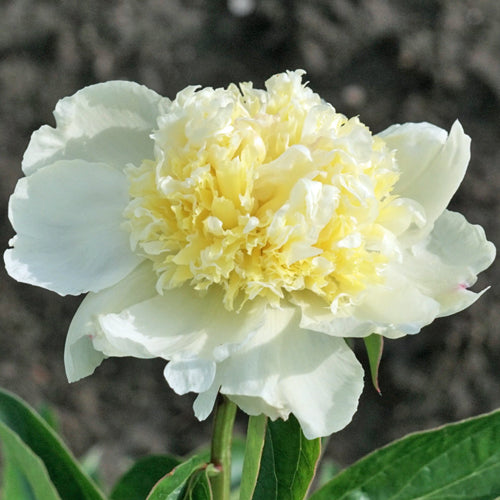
(256, 436)
(181, 482)
(458, 461)
(198, 486)
(139, 480)
(38, 464)
(374, 346)
(25, 476)
(287, 462)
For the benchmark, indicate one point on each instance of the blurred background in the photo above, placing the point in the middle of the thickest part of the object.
(386, 60)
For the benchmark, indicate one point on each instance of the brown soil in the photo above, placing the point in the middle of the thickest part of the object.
(386, 60)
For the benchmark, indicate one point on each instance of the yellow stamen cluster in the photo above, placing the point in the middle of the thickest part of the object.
(263, 193)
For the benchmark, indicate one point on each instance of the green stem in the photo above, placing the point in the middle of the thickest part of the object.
(221, 448)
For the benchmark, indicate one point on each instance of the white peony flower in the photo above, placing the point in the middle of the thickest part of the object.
(242, 234)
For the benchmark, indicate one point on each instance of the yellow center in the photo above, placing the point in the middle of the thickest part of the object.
(263, 193)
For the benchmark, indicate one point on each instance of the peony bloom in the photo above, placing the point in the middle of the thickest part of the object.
(242, 235)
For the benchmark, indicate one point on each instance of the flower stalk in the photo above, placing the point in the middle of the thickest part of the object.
(221, 448)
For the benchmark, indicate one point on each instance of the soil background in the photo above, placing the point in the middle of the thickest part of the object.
(388, 61)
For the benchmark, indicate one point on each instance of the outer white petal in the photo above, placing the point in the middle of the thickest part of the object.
(204, 403)
(284, 369)
(432, 164)
(459, 243)
(109, 122)
(447, 264)
(80, 356)
(431, 280)
(317, 315)
(190, 330)
(68, 220)
(190, 375)
(398, 307)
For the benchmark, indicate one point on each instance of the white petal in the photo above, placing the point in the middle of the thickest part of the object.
(318, 316)
(284, 369)
(431, 280)
(322, 391)
(397, 307)
(68, 220)
(205, 401)
(109, 122)
(190, 375)
(80, 356)
(447, 264)
(459, 243)
(432, 164)
(192, 331)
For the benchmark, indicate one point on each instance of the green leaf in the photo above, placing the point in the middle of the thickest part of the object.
(458, 461)
(173, 485)
(49, 415)
(199, 487)
(256, 436)
(374, 346)
(25, 476)
(24, 430)
(90, 463)
(138, 481)
(288, 462)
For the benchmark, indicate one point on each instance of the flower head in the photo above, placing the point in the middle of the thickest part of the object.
(241, 234)
(263, 194)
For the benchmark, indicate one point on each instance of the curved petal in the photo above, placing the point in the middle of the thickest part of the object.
(398, 307)
(68, 220)
(432, 164)
(318, 316)
(191, 330)
(109, 122)
(284, 369)
(205, 401)
(80, 356)
(459, 243)
(447, 264)
(431, 280)
(190, 375)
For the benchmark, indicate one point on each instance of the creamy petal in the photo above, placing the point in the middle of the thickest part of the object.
(284, 369)
(398, 307)
(459, 243)
(109, 122)
(190, 375)
(68, 220)
(80, 356)
(316, 315)
(432, 164)
(445, 265)
(205, 401)
(431, 280)
(190, 330)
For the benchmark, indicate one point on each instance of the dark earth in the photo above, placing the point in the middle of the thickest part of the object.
(386, 60)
